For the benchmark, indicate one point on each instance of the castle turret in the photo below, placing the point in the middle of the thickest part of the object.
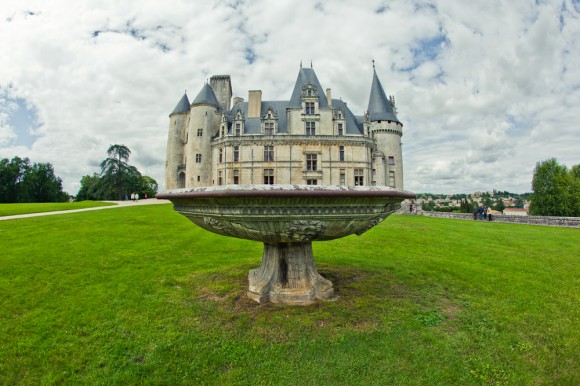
(204, 122)
(177, 136)
(386, 131)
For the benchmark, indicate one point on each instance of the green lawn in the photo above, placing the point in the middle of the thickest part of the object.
(14, 209)
(142, 296)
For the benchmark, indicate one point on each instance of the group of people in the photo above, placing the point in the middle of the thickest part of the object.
(480, 213)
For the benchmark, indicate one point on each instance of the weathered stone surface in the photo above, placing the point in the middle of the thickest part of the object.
(287, 218)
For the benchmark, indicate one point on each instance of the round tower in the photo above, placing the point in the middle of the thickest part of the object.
(386, 130)
(203, 125)
(176, 138)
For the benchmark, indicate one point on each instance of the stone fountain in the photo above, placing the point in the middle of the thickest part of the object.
(287, 218)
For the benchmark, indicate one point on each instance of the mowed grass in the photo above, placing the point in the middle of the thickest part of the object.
(26, 208)
(143, 296)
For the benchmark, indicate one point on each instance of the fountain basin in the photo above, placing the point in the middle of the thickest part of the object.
(287, 218)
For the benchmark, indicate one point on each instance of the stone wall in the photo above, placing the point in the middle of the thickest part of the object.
(571, 222)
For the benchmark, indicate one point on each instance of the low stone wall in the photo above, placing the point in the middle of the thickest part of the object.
(571, 222)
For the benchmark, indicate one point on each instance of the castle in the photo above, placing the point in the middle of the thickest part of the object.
(310, 139)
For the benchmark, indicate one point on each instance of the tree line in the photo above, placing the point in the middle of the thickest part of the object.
(22, 181)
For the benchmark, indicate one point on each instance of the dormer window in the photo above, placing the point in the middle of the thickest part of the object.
(269, 122)
(309, 108)
(238, 126)
(309, 90)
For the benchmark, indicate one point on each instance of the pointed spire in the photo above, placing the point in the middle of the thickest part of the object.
(301, 63)
(182, 105)
(206, 96)
(380, 107)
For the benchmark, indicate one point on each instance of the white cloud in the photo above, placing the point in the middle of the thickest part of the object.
(485, 89)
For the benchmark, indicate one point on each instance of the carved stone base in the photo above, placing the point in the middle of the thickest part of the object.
(288, 275)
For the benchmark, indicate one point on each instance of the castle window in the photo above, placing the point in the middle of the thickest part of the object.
(342, 177)
(268, 176)
(236, 176)
(309, 108)
(358, 177)
(392, 179)
(311, 162)
(198, 178)
(340, 129)
(221, 155)
(238, 129)
(236, 153)
(341, 153)
(269, 128)
(391, 160)
(268, 153)
(219, 178)
(199, 132)
(198, 158)
(311, 182)
(310, 128)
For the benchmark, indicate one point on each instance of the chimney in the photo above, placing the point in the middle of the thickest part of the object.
(254, 103)
(329, 97)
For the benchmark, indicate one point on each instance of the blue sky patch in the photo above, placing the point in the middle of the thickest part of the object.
(24, 121)
(250, 55)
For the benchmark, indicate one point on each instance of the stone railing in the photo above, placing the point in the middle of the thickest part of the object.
(571, 222)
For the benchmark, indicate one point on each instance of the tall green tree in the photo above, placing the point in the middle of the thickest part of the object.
(22, 181)
(115, 168)
(556, 191)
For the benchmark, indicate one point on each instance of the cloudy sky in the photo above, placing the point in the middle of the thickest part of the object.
(484, 88)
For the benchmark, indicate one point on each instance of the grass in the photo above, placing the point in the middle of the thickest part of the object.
(142, 296)
(15, 209)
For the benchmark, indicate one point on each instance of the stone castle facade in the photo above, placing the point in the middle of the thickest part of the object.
(310, 139)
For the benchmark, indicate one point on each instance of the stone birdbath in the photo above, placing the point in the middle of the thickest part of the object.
(287, 219)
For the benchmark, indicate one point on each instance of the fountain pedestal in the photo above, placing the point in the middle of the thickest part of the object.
(288, 275)
(287, 218)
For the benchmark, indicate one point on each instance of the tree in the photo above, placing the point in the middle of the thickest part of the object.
(498, 205)
(555, 191)
(11, 177)
(21, 181)
(467, 206)
(90, 186)
(148, 186)
(116, 168)
(41, 185)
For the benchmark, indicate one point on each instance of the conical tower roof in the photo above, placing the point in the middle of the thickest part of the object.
(380, 107)
(305, 76)
(182, 105)
(206, 96)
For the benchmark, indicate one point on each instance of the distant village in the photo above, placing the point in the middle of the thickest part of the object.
(496, 202)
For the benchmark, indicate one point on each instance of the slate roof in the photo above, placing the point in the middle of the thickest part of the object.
(182, 105)
(354, 125)
(206, 96)
(380, 108)
(305, 76)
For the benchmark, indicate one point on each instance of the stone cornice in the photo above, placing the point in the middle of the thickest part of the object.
(286, 139)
